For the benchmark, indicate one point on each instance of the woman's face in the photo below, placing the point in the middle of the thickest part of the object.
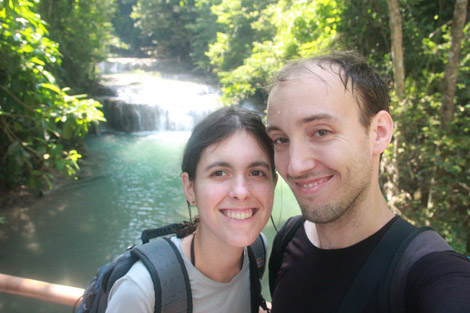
(233, 189)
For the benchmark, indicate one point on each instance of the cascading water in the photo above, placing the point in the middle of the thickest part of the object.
(149, 97)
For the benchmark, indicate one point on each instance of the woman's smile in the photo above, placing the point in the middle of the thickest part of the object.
(239, 214)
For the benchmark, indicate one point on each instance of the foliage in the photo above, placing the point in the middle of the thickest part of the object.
(130, 41)
(204, 32)
(298, 29)
(83, 31)
(235, 40)
(39, 121)
(433, 161)
(166, 23)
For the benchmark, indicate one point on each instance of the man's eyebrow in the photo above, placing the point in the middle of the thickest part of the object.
(271, 128)
(305, 120)
(315, 117)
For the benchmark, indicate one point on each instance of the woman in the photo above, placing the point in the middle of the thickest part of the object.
(229, 175)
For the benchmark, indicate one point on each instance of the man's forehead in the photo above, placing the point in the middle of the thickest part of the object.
(316, 73)
(317, 76)
(326, 84)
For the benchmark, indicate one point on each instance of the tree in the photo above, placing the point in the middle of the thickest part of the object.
(83, 31)
(399, 78)
(131, 42)
(397, 47)
(451, 72)
(167, 24)
(235, 40)
(282, 31)
(40, 122)
(205, 31)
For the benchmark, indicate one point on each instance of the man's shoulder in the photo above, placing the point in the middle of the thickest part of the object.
(439, 282)
(441, 263)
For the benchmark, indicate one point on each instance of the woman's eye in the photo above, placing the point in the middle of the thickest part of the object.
(219, 173)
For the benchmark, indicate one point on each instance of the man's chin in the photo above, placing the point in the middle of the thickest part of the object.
(321, 214)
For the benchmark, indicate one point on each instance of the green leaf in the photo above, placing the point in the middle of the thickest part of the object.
(51, 87)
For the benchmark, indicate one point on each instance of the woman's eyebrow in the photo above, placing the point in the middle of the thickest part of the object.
(218, 164)
(260, 164)
(228, 165)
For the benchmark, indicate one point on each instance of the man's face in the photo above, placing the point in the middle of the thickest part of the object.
(322, 150)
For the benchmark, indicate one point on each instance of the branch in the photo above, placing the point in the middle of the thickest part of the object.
(464, 186)
(27, 107)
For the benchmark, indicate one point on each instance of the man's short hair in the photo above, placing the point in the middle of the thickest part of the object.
(369, 88)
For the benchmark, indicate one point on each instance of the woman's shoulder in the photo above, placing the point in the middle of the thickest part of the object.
(135, 289)
(137, 278)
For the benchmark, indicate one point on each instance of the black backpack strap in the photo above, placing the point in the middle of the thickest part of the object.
(169, 276)
(259, 248)
(256, 297)
(419, 243)
(282, 239)
(375, 267)
(169, 229)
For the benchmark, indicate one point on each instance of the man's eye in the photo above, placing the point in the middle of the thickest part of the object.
(322, 132)
(280, 141)
(257, 173)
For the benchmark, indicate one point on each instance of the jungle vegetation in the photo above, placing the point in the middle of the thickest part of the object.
(422, 47)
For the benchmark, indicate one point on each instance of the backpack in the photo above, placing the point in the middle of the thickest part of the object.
(401, 246)
(168, 272)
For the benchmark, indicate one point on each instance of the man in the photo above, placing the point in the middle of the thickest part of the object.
(328, 117)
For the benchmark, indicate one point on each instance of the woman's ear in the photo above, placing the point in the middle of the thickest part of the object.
(381, 131)
(188, 186)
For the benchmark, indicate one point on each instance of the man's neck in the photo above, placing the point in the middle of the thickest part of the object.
(351, 228)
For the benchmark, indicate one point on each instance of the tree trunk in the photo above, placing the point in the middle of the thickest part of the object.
(392, 186)
(452, 68)
(397, 47)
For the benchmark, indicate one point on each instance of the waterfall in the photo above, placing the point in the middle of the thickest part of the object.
(148, 96)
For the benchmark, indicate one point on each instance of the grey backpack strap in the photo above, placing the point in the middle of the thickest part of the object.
(259, 248)
(417, 246)
(169, 276)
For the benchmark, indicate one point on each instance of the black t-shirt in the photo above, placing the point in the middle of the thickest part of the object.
(316, 280)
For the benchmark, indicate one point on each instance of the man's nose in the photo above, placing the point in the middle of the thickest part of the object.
(301, 159)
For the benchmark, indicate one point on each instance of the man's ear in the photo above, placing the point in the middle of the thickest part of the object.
(381, 132)
(188, 186)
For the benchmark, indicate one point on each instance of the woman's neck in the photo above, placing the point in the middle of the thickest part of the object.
(219, 262)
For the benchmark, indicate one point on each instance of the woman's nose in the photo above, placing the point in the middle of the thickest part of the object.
(240, 189)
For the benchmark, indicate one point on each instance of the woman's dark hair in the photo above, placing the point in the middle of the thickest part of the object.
(220, 125)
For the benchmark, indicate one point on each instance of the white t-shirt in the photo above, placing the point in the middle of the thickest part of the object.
(134, 291)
